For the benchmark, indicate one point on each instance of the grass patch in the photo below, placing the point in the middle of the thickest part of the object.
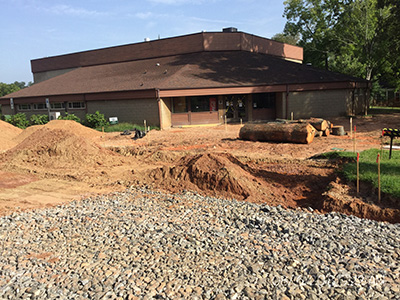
(390, 169)
(373, 110)
(120, 127)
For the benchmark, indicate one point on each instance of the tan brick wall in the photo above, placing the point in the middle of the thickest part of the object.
(80, 113)
(132, 111)
(280, 105)
(165, 105)
(6, 110)
(319, 103)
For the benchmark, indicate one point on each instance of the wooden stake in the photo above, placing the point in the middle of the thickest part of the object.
(354, 139)
(225, 124)
(351, 127)
(358, 173)
(378, 160)
(145, 126)
(291, 116)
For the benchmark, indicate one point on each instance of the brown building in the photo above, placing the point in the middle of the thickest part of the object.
(193, 79)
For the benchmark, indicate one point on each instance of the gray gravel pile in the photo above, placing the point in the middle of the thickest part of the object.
(142, 244)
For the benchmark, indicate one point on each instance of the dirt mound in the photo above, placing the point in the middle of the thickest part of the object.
(7, 133)
(217, 173)
(66, 125)
(56, 151)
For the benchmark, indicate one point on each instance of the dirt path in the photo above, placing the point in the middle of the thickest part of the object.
(63, 160)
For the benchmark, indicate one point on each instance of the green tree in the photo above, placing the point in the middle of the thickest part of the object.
(314, 21)
(349, 36)
(287, 39)
(6, 89)
(22, 84)
(392, 38)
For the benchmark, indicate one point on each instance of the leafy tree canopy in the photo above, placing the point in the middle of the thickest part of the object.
(8, 88)
(356, 37)
(287, 39)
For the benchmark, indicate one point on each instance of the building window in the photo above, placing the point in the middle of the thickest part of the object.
(39, 106)
(57, 105)
(264, 100)
(76, 105)
(24, 107)
(179, 105)
(199, 104)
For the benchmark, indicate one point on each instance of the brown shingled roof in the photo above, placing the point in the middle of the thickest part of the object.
(197, 70)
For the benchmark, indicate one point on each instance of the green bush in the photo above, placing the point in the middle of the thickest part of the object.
(19, 120)
(39, 119)
(69, 117)
(96, 120)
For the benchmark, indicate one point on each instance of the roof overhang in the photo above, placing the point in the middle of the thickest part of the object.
(152, 93)
(122, 95)
(263, 89)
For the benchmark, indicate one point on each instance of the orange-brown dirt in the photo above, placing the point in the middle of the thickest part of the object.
(63, 160)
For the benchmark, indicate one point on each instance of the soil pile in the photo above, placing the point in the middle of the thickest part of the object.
(224, 175)
(219, 173)
(59, 152)
(67, 125)
(7, 133)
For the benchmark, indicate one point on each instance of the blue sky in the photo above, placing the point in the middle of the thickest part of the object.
(31, 29)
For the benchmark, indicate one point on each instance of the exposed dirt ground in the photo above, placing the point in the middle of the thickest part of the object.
(61, 161)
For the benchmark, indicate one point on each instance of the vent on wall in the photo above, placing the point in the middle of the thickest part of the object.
(229, 29)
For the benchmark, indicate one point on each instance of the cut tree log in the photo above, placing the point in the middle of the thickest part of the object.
(327, 131)
(319, 124)
(302, 133)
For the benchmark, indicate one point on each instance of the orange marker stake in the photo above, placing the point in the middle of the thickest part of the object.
(358, 173)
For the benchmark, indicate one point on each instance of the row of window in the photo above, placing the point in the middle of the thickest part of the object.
(54, 105)
(209, 103)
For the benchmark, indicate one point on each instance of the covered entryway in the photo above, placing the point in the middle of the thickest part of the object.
(194, 110)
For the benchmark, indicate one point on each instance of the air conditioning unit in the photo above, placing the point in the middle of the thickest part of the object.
(54, 115)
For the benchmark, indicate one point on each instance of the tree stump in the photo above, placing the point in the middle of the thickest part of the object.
(302, 133)
(338, 130)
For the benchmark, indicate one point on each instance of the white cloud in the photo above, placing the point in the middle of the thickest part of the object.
(63, 9)
(144, 15)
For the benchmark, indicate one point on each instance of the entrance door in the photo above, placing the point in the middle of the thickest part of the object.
(235, 108)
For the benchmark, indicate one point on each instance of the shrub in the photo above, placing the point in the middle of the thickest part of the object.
(69, 117)
(96, 120)
(39, 119)
(19, 120)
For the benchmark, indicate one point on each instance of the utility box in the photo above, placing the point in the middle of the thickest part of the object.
(54, 115)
